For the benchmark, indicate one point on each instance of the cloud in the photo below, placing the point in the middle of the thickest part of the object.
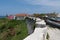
(42, 5)
(44, 2)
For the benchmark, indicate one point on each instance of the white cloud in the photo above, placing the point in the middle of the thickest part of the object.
(42, 5)
(44, 2)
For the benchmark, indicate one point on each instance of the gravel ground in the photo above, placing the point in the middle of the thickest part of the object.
(54, 33)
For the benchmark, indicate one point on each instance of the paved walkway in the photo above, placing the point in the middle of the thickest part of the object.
(38, 34)
(54, 33)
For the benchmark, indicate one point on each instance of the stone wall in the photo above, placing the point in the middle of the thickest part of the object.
(39, 32)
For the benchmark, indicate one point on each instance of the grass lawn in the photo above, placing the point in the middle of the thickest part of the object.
(13, 29)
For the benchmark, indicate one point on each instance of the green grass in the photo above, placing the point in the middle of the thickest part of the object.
(13, 29)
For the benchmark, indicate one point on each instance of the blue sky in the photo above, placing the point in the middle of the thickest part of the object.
(29, 6)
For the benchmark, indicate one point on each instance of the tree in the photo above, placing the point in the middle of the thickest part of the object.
(36, 15)
(39, 15)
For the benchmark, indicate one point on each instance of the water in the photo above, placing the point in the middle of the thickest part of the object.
(2, 16)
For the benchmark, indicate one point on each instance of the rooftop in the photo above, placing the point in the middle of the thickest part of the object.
(22, 14)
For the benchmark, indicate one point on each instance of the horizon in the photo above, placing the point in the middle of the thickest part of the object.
(28, 6)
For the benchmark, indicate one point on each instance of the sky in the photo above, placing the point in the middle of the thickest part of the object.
(29, 6)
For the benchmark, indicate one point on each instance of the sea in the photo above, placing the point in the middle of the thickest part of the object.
(2, 16)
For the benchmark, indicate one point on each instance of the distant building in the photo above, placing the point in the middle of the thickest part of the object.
(21, 16)
(11, 17)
